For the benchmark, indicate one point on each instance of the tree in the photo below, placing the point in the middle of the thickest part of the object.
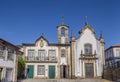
(21, 67)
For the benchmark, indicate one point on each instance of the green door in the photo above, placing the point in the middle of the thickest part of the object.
(30, 71)
(51, 72)
(0, 73)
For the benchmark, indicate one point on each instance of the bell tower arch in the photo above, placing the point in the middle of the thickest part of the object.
(62, 33)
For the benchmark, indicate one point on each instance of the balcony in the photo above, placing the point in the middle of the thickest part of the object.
(2, 54)
(40, 60)
(10, 56)
(88, 57)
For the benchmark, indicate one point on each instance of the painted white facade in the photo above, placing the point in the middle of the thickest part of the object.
(7, 62)
(42, 44)
(112, 56)
(70, 58)
(88, 37)
(46, 75)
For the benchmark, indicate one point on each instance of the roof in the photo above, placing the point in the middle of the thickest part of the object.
(117, 45)
(42, 38)
(114, 46)
(85, 27)
(28, 44)
(50, 44)
(63, 25)
(8, 43)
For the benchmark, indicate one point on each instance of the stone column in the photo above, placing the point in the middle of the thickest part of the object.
(83, 70)
(95, 69)
(14, 70)
(6, 54)
(72, 57)
(3, 74)
(58, 67)
(82, 67)
(67, 62)
(73, 60)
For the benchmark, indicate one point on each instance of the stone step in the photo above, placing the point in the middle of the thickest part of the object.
(65, 80)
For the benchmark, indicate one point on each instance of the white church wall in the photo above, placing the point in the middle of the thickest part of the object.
(88, 37)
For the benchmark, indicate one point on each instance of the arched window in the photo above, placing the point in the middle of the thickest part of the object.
(63, 53)
(88, 49)
(62, 31)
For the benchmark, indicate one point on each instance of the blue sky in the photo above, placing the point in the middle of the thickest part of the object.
(23, 21)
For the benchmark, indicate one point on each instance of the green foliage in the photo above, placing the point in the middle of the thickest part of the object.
(21, 67)
(21, 62)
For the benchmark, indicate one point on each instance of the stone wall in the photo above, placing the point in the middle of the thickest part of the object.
(112, 74)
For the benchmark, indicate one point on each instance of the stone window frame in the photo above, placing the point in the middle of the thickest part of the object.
(31, 55)
(49, 53)
(62, 31)
(10, 53)
(40, 57)
(117, 52)
(41, 70)
(63, 53)
(89, 53)
(2, 50)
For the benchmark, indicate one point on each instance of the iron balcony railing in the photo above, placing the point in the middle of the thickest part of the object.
(10, 56)
(2, 55)
(41, 59)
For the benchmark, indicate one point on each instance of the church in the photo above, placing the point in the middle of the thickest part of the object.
(81, 57)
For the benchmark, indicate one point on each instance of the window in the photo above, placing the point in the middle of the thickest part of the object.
(63, 53)
(10, 53)
(62, 31)
(41, 70)
(117, 52)
(8, 76)
(88, 49)
(2, 48)
(41, 55)
(30, 54)
(51, 54)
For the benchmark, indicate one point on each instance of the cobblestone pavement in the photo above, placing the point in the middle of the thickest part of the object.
(64, 80)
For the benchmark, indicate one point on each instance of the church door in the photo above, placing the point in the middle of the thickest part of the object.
(89, 70)
(63, 71)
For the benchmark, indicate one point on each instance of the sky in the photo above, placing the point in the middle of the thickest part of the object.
(23, 21)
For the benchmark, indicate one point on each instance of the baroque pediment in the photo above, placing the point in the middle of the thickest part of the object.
(86, 27)
(41, 41)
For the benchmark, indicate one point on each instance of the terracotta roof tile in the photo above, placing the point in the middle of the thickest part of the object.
(116, 45)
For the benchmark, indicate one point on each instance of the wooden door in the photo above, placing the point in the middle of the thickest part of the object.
(51, 72)
(89, 70)
(30, 71)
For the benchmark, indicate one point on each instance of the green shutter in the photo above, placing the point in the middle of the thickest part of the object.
(0, 74)
(30, 71)
(51, 72)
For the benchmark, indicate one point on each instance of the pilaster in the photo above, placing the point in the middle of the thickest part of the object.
(82, 68)
(66, 55)
(3, 74)
(58, 67)
(73, 59)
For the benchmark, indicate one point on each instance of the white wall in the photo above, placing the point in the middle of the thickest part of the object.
(10, 64)
(87, 37)
(46, 69)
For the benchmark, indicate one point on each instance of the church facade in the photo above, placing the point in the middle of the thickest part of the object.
(82, 57)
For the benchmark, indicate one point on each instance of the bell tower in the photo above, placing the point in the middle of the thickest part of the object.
(62, 33)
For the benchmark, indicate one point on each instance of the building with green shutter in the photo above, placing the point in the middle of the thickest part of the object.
(81, 57)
